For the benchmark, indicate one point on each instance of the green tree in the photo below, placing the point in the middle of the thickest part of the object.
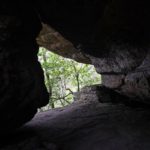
(63, 77)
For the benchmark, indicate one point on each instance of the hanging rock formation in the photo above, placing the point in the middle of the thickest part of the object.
(113, 35)
(55, 42)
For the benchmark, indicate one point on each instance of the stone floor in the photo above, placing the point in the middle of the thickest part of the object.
(84, 125)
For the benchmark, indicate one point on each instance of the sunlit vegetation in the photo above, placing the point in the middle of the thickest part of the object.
(63, 77)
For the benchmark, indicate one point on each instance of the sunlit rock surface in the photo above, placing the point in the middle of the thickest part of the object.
(55, 42)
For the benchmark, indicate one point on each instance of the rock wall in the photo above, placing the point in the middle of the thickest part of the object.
(126, 70)
(113, 35)
(22, 88)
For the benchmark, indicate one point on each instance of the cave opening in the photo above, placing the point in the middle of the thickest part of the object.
(64, 78)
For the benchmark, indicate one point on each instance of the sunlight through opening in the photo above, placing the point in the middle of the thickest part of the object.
(64, 77)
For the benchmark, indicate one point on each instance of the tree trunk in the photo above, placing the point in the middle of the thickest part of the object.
(49, 88)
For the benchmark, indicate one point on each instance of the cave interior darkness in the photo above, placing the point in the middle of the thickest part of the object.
(112, 35)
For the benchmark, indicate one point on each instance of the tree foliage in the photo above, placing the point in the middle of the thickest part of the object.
(64, 76)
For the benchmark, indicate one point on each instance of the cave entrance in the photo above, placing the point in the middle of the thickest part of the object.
(64, 77)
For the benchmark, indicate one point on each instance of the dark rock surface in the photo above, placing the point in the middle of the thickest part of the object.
(22, 88)
(126, 71)
(95, 26)
(86, 125)
(114, 35)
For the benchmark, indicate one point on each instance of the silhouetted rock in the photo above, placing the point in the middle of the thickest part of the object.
(22, 88)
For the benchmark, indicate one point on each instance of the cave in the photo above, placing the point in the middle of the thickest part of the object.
(112, 35)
